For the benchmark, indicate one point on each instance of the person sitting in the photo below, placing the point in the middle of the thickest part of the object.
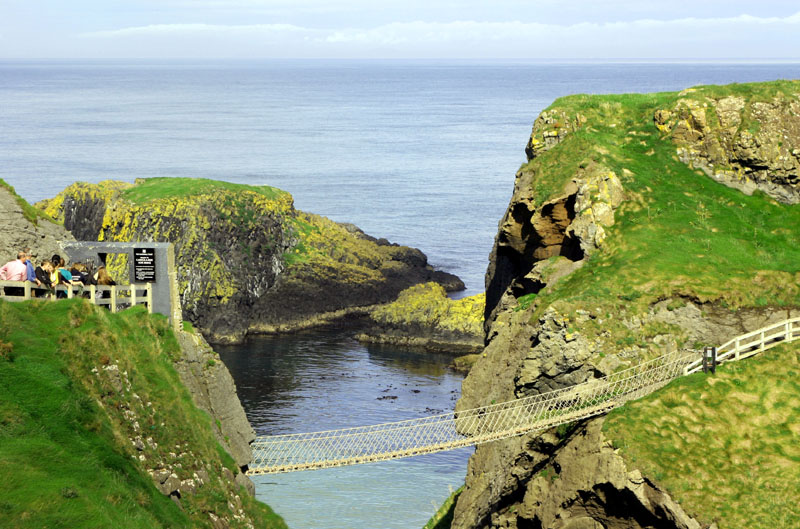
(31, 276)
(62, 276)
(102, 278)
(15, 270)
(43, 274)
(81, 273)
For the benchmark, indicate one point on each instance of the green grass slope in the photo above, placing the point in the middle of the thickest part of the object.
(77, 385)
(725, 445)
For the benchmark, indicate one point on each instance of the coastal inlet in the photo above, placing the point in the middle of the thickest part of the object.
(325, 379)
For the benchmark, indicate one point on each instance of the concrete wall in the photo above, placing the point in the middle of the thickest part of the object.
(165, 286)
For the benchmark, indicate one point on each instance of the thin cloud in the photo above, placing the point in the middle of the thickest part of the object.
(691, 36)
(195, 29)
(464, 29)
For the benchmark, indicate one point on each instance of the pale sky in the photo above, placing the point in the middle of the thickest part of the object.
(533, 29)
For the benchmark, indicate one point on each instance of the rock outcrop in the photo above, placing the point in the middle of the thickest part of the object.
(424, 317)
(247, 260)
(25, 227)
(602, 261)
(748, 143)
(571, 479)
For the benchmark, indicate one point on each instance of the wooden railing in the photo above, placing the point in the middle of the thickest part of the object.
(115, 297)
(752, 343)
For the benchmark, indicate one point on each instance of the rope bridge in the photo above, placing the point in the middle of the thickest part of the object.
(437, 433)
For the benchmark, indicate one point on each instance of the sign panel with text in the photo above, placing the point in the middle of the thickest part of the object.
(144, 265)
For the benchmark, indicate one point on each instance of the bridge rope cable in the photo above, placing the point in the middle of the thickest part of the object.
(460, 428)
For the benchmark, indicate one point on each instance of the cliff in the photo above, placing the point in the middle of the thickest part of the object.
(99, 430)
(641, 224)
(27, 227)
(248, 261)
(424, 317)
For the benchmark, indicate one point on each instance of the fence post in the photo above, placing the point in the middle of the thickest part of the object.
(736, 351)
(113, 298)
(149, 294)
(133, 295)
(69, 291)
(710, 360)
(92, 291)
(761, 346)
(27, 288)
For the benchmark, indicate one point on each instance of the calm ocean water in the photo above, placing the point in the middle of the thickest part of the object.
(423, 153)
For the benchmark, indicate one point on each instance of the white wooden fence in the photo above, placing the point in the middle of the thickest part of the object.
(752, 343)
(115, 297)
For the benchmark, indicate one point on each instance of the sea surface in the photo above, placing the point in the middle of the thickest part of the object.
(422, 153)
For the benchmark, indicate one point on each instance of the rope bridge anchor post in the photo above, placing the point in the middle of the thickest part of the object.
(710, 360)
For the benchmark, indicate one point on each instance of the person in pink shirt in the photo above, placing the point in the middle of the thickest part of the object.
(15, 270)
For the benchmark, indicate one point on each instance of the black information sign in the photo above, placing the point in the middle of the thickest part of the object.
(144, 265)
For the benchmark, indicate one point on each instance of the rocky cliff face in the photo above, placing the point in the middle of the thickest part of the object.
(574, 480)
(613, 250)
(24, 228)
(247, 260)
(213, 391)
(746, 143)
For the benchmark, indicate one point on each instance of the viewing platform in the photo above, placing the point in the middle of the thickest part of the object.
(115, 297)
(150, 269)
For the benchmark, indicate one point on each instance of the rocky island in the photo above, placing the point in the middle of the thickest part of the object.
(643, 224)
(423, 317)
(247, 260)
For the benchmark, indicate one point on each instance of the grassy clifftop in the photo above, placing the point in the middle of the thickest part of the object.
(641, 224)
(93, 416)
(679, 232)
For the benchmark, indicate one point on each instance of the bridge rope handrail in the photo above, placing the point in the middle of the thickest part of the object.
(435, 433)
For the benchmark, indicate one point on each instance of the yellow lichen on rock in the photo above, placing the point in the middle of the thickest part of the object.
(427, 305)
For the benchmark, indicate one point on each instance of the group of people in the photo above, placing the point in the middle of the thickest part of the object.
(52, 272)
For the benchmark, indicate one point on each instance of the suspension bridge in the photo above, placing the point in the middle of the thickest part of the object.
(438, 433)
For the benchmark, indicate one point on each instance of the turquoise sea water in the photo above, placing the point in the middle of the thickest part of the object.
(422, 153)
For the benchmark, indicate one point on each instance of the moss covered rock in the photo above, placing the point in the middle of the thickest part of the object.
(247, 259)
(423, 316)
